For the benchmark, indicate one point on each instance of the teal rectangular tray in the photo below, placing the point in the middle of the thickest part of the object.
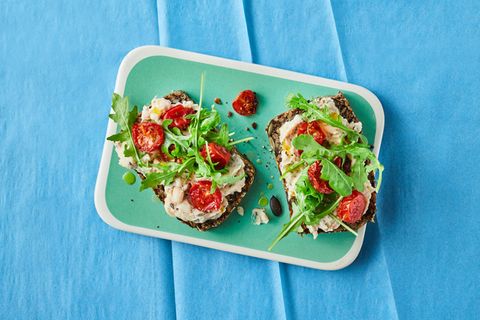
(155, 71)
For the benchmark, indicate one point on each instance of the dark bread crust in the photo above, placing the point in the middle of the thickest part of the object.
(233, 199)
(273, 132)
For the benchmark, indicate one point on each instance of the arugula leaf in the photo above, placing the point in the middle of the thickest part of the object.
(204, 127)
(234, 142)
(166, 175)
(154, 179)
(125, 119)
(220, 137)
(211, 120)
(121, 136)
(292, 225)
(343, 224)
(292, 168)
(359, 175)
(299, 217)
(310, 147)
(337, 179)
(313, 112)
(225, 179)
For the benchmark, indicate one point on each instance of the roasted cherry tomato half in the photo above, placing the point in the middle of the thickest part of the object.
(177, 114)
(147, 136)
(338, 162)
(314, 173)
(245, 103)
(351, 208)
(201, 198)
(315, 130)
(312, 128)
(218, 155)
(302, 128)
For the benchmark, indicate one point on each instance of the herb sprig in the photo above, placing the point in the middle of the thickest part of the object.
(205, 126)
(313, 112)
(125, 119)
(310, 206)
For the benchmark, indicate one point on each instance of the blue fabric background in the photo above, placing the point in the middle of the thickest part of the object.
(58, 62)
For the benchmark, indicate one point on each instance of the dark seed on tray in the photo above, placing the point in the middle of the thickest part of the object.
(275, 206)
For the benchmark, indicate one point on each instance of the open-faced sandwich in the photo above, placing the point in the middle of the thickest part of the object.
(326, 164)
(184, 153)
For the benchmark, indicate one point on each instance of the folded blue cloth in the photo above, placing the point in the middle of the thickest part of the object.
(57, 70)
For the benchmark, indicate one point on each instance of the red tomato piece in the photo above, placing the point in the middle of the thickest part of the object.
(147, 136)
(312, 128)
(245, 103)
(177, 114)
(338, 162)
(302, 128)
(315, 130)
(218, 155)
(314, 173)
(201, 198)
(352, 207)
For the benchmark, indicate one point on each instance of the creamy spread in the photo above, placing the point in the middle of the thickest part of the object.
(326, 224)
(288, 157)
(240, 210)
(259, 216)
(176, 200)
(126, 162)
(178, 205)
(158, 106)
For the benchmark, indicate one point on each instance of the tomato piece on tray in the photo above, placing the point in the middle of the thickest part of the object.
(218, 155)
(177, 114)
(245, 103)
(147, 136)
(351, 208)
(201, 198)
(314, 173)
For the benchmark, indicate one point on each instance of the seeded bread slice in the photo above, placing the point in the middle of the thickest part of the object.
(273, 132)
(233, 199)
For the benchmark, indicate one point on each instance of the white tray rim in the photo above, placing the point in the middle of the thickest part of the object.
(140, 53)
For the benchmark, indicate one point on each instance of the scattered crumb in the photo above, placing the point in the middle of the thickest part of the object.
(240, 211)
(263, 147)
(217, 100)
(270, 149)
(259, 161)
(229, 114)
(131, 200)
(259, 216)
(272, 177)
(248, 129)
(254, 125)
